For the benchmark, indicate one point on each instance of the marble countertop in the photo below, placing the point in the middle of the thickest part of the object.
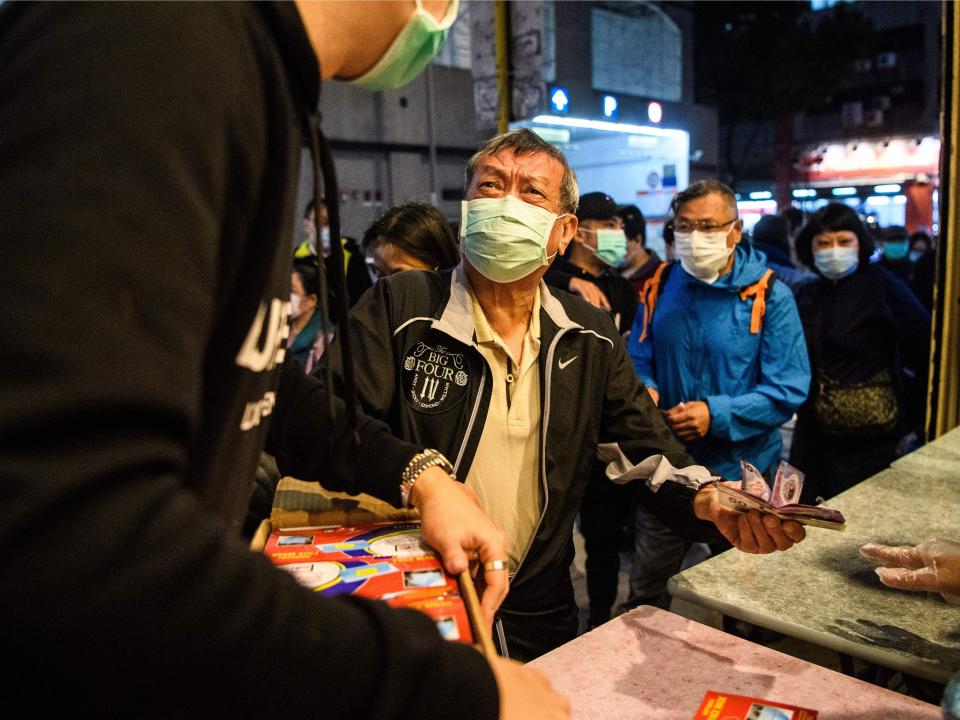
(653, 665)
(823, 592)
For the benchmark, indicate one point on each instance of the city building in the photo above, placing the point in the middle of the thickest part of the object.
(873, 142)
(608, 82)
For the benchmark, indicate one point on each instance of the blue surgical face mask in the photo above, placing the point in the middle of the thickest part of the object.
(611, 246)
(415, 46)
(915, 255)
(896, 250)
(836, 262)
(504, 238)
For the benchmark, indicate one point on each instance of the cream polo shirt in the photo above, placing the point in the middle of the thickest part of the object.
(505, 473)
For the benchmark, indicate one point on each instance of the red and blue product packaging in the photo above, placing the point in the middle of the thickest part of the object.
(381, 561)
(727, 706)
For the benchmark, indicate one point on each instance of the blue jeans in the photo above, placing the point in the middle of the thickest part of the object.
(658, 554)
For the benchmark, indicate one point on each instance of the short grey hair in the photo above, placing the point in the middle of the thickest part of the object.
(523, 142)
(700, 189)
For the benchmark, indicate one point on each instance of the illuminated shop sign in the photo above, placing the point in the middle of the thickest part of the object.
(559, 99)
(866, 159)
(610, 107)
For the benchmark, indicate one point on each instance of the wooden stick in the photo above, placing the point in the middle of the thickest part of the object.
(259, 540)
(480, 630)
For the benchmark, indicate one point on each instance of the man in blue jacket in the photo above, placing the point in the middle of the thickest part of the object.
(720, 347)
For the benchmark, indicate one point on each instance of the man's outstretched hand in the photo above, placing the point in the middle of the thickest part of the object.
(750, 532)
(454, 525)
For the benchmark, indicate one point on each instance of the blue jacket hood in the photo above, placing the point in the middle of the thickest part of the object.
(749, 265)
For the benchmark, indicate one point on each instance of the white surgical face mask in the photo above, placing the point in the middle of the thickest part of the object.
(295, 308)
(836, 262)
(325, 240)
(505, 238)
(703, 254)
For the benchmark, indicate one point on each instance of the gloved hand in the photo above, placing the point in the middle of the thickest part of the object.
(932, 565)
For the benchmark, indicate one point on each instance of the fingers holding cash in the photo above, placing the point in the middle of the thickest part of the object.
(750, 532)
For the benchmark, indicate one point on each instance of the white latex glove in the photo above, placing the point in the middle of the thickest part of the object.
(932, 565)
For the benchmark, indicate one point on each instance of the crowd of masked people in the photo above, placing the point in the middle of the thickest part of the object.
(488, 401)
(805, 340)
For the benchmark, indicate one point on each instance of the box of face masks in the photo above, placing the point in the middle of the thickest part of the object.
(353, 553)
(382, 561)
(725, 706)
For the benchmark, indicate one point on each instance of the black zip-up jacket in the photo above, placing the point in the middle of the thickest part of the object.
(420, 372)
(864, 323)
(618, 290)
(149, 157)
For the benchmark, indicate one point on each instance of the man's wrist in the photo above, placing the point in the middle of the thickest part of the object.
(420, 462)
(702, 500)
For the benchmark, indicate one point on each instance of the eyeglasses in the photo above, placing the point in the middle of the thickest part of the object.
(682, 226)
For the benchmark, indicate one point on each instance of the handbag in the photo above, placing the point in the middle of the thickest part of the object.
(867, 408)
(862, 409)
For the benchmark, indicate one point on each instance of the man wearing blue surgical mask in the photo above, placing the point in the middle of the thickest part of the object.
(895, 242)
(524, 389)
(598, 250)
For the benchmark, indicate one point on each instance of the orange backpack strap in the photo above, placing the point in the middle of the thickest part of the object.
(649, 294)
(758, 291)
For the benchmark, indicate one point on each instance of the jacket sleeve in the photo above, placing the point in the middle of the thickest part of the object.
(306, 447)
(641, 353)
(122, 594)
(636, 444)
(371, 335)
(783, 380)
(912, 324)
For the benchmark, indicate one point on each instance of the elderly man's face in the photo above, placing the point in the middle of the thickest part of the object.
(534, 178)
(710, 213)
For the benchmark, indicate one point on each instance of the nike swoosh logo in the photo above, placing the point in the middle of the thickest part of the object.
(563, 364)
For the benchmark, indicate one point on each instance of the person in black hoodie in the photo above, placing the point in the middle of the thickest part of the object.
(866, 333)
(771, 236)
(896, 253)
(924, 258)
(583, 261)
(142, 372)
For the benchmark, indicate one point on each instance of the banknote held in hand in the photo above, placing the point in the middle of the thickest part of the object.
(782, 501)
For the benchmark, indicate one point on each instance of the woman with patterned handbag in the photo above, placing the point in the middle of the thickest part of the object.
(866, 332)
